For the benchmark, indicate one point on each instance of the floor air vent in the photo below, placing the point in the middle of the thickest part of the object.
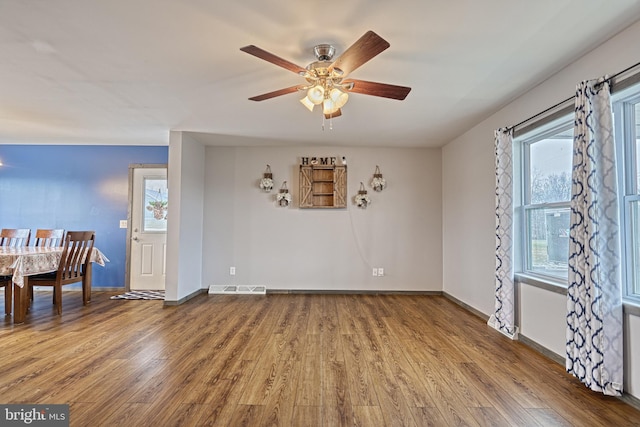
(237, 289)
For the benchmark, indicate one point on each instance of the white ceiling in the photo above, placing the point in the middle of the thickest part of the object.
(129, 71)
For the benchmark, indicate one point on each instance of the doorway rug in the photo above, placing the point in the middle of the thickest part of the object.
(140, 295)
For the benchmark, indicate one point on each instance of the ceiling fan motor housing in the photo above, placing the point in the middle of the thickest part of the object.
(324, 52)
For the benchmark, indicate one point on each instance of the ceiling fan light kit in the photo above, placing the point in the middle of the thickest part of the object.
(326, 84)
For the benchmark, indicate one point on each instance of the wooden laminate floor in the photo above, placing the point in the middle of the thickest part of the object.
(291, 360)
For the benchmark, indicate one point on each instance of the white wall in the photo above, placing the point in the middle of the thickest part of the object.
(631, 352)
(468, 202)
(184, 229)
(542, 327)
(323, 249)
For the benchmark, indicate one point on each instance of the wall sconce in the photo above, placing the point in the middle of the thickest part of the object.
(378, 182)
(266, 183)
(362, 199)
(283, 197)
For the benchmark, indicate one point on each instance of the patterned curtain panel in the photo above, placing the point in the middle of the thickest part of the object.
(503, 317)
(594, 295)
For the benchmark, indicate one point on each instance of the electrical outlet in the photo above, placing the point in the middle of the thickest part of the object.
(375, 272)
(232, 271)
(380, 271)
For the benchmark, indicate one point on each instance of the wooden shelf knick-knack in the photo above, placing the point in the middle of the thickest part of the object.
(323, 186)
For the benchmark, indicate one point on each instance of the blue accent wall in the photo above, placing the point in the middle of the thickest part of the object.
(75, 188)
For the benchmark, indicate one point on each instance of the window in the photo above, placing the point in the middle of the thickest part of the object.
(546, 193)
(542, 192)
(627, 121)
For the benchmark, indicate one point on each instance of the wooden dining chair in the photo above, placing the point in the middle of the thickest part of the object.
(49, 237)
(11, 237)
(14, 237)
(76, 256)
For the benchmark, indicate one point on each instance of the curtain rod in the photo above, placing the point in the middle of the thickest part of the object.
(609, 79)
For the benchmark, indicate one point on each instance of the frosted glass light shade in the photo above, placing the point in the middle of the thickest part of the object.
(316, 94)
(338, 97)
(329, 107)
(307, 103)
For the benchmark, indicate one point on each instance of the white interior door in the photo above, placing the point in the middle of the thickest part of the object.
(148, 229)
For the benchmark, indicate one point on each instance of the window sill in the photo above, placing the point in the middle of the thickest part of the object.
(630, 307)
(546, 284)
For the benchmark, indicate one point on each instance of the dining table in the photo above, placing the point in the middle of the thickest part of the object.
(25, 261)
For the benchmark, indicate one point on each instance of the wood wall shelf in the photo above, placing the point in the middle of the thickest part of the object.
(323, 186)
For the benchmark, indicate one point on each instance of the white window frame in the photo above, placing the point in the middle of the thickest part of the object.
(522, 176)
(625, 137)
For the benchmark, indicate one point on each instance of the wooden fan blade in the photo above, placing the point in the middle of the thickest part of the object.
(277, 93)
(378, 89)
(334, 115)
(365, 48)
(270, 57)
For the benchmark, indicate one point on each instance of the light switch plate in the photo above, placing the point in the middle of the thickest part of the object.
(123, 223)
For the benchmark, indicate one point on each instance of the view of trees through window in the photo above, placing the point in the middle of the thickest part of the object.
(547, 207)
(554, 187)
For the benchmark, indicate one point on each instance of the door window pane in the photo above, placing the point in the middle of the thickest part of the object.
(156, 202)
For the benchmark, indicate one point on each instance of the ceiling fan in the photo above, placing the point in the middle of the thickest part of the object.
(327, 82)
